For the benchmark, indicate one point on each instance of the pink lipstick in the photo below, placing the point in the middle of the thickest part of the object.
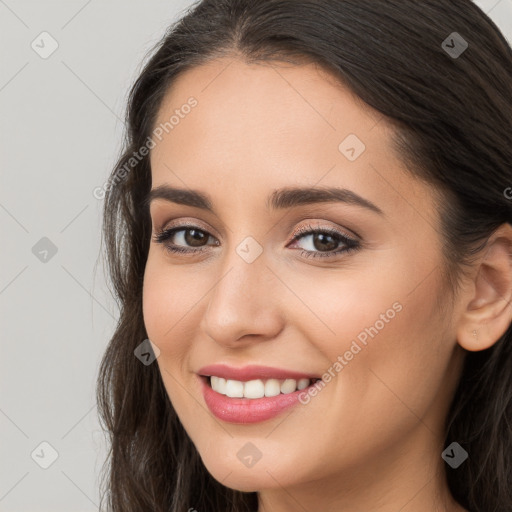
(253, 393)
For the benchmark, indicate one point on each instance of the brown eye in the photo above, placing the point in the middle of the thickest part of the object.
(323, 242)
(194, 237)
(183, 239)
(319, 242)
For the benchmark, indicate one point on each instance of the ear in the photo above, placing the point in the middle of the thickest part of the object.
(488, 311)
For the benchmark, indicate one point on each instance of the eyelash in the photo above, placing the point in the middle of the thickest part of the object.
(350, 244)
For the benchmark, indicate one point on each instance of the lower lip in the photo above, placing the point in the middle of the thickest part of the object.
(247, 410)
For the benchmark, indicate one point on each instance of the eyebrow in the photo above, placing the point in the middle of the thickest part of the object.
(288, 197)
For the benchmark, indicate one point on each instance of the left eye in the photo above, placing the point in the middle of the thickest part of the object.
(320, 242)
(324, 242)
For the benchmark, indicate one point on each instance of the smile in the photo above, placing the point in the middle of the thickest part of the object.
(251, 394)
(257, 388)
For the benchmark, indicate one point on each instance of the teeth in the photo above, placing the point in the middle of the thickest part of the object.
(256, 388)
(303, 383)
(289, 386)
(219, 383)
(234, 388)
(272, 387)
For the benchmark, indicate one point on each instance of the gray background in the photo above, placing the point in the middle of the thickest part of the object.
(60, 131)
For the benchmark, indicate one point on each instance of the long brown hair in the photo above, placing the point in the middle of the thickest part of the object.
(454, 119)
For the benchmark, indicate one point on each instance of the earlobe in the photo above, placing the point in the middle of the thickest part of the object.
(488, 311)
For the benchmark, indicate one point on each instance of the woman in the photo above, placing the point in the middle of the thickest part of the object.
(310, 222)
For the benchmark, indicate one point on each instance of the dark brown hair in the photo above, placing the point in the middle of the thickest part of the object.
(453, 119)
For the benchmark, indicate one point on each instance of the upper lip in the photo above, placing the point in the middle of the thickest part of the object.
(252, 372)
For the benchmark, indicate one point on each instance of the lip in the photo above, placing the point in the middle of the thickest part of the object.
(252, 372)
(247, 410)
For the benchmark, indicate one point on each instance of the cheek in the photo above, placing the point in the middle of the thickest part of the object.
(379, 321)
(358, 302)
(166, 301)
(404, 361)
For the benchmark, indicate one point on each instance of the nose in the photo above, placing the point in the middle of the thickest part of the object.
(243, 306)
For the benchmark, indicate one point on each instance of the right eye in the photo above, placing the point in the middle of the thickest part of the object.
(178, 238)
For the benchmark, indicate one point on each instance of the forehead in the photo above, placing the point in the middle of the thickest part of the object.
(261, 126)
(275, 103)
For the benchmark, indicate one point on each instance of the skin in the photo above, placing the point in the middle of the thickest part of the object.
(372, 439)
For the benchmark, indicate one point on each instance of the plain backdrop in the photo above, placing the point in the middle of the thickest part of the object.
(60, 131)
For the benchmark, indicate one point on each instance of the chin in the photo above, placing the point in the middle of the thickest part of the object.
(249, 482)
(233, 474)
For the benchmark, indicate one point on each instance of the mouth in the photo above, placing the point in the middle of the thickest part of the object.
(252, 394)
(257, 388)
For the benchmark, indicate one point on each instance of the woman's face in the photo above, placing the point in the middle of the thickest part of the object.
(371, 314)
